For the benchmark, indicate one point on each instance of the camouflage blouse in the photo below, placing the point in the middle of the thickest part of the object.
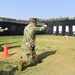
(30, 35)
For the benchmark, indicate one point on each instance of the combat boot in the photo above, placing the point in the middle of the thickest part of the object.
(21, 64)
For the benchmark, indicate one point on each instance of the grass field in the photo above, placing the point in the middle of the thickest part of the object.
(57, 56)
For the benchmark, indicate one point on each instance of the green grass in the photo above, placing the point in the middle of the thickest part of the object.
(57, 55)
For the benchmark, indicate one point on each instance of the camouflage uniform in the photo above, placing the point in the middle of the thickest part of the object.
(1, 48)
(28, 43)
(1, 30)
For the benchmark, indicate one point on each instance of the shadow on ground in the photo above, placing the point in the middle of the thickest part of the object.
(14, 46)
(45, 54)
(8, 43)
(11, 72)
(2, 49)
(40, 56)
(13, 53)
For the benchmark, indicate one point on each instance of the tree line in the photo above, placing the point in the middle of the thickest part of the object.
(55, 19)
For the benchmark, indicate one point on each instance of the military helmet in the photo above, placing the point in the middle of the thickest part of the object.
(33, 20)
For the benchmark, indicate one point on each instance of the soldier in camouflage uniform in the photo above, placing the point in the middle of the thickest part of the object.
(2, 30)
(28, 43)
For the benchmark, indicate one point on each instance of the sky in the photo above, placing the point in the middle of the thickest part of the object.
(45, 9)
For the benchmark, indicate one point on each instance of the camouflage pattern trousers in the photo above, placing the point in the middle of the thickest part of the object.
(32, 57)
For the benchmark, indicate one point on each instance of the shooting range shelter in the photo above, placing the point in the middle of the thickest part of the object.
(16, 27)
(66, 27)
